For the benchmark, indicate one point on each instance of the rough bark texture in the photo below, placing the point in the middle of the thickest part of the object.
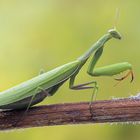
(120, 110)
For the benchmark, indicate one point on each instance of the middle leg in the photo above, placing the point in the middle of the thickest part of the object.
(85, 86)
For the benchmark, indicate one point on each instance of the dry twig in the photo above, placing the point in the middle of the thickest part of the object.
(120, 110)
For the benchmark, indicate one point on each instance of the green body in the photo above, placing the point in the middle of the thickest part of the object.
(35, 90)
(28, 88)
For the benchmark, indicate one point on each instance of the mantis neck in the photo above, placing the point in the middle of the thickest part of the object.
(100, 43)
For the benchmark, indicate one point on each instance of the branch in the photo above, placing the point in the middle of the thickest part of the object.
(118, 110)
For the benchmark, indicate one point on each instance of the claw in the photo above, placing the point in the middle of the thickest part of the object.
(124, 77)
(132, 76)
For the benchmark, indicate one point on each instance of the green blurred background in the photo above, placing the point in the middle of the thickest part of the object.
(36, 34)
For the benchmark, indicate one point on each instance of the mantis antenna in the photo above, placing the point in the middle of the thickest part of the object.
(117, 15)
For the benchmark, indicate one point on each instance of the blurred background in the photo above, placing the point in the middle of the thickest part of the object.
(44, 34)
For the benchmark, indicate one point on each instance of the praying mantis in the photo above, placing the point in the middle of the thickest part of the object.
(46, 84)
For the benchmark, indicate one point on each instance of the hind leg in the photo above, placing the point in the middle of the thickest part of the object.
(29, 103)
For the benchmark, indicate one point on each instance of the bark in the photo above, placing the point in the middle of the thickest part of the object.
(107, 111)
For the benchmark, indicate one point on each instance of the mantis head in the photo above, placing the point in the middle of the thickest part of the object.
(114, 33)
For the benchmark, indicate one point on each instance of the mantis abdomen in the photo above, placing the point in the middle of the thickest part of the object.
(36, 85)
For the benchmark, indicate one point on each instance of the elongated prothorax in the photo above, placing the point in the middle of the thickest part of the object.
(112, 33)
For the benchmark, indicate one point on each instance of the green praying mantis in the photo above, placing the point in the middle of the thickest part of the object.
(46, 84)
